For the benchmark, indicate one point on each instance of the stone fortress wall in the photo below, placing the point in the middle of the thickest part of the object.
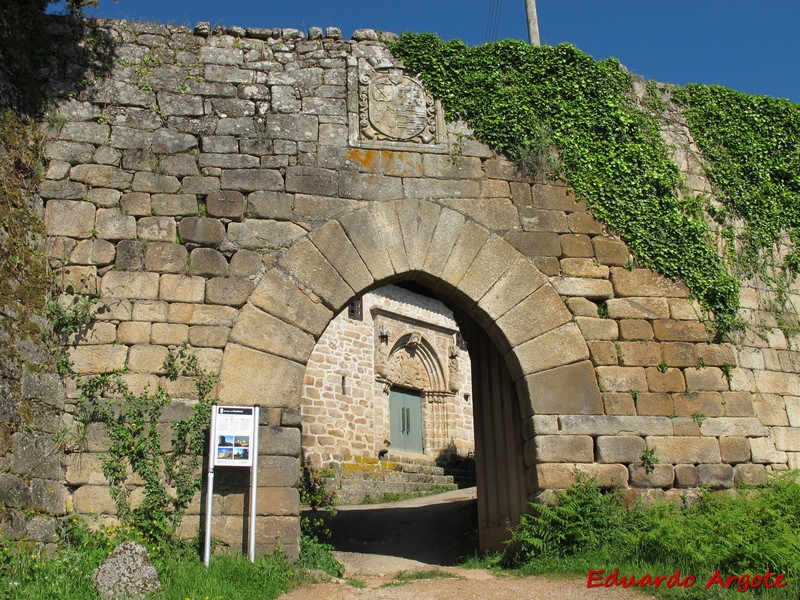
(234, 190)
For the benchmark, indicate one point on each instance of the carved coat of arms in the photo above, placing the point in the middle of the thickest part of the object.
(394, 106)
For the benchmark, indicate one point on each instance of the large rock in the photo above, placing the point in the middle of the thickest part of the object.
(127, 573)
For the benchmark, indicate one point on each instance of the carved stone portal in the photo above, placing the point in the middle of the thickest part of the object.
(393, 106)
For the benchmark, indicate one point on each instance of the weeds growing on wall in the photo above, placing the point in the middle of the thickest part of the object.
(521, 99)
(133, 421)
(750, 144)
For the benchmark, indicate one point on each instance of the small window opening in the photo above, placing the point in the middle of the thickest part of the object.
(356, 310)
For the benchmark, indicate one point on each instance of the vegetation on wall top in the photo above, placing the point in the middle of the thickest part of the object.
(524, 99)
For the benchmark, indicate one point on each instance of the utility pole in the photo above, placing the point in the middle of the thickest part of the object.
(533, 22)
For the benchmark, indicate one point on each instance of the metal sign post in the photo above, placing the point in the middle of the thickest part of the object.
(233, 443)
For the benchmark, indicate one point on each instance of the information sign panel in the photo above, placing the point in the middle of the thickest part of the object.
(233, 438)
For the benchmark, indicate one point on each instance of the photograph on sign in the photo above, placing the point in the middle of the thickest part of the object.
(234, 434)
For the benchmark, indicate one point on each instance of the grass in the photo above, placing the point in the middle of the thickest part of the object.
(404, 577)
(738, 534)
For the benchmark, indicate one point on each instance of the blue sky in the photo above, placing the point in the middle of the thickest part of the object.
(749, 46)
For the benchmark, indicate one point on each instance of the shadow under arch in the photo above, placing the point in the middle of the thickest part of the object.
(540, 357)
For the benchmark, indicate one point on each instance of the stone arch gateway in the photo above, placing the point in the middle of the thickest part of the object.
(232, 191)
(532, 354)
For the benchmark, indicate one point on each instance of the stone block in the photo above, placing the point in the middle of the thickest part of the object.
(199, 314)
(278, 471)
(669, 330)
(174, 205)
(229, 161)
(621, 379)
(200, 185)
(610, 252)
(245, 263)
(560, 346)
(614, 425)
(466, 247)
(787, 438)
(577, 245)
(226, 205)
(654, 404)
(602, 353)
(146, 358)
(762, 450)
(62, 190)
(306, 264)
(559, 476)
(102, 176)
(166, 257)
(540, 425)
(662, 476)
(535, 244)
(541, 311)
(771, 410)
(279, 441)
(645, 282)
(333, 243)
(182, 288)
(275, 501)
(154, 183)
(69, 218)
(639, 354)
(231, 291)
(570, 389)
(686, 476)
(133, 332)
(670, 380)
(734, 449)
(202, 336)
(792, 411)
(637, 308)
(418, 220)
(169, 334)
(262, 331)
(277, 380)
(772, 382)
(708, 404)
(207, 262)
(582, 267)
(749, 474)
(312, 180)
(93, 500)
(716, 477)
(551, 197)
(618, 404)
(580, 222)
(733, 426)
(263, 235)
(584, 287)
(496, 214)
(156, 229)
(594, 328)
(740, 404)
(292, 302)
(69, 152)
(251, 180)
(620, 448)
(200, 230)
(129, 284)
(93, 252)
(447, 229)
(680, 354)
(513, 286)
(153, 311)
(679, 450)
(559, 449)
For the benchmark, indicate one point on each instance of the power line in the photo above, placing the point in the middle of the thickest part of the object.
(493, 20)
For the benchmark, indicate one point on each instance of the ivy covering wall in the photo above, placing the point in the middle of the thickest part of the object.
(555, 108)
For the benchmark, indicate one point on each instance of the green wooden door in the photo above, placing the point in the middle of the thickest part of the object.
(405, 416)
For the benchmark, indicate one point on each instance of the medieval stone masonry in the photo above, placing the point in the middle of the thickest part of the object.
(235, 190)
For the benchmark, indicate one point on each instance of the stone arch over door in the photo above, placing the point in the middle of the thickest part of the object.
(482, 276)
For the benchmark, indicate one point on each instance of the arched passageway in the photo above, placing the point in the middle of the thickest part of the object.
(537, 355)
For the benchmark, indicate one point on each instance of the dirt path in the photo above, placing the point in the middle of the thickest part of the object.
(376, 571)
(377, 542)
